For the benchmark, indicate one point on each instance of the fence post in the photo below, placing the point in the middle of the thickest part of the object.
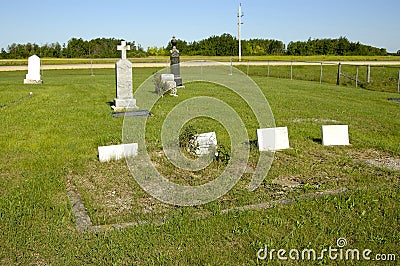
(247, 67)
(320, 76)
(398, 83)
(369, 74)
(231, 68)
(291, 70)
(268, 69)
(356, 76)
(339, 70)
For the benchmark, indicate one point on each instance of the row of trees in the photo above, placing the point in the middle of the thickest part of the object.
(75, 48)
(341, 46)
(227, 45)
(224, 45)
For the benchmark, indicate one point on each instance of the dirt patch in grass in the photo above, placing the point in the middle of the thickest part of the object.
(287, 181)
(377, 159)
(315, 120)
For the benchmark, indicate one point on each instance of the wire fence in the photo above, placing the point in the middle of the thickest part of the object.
(373, 77)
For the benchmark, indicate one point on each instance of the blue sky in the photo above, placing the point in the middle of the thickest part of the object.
(154, 22)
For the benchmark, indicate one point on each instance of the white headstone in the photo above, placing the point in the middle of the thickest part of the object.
(272, 139)
(33, 76)
(167, 77)
(117, 152)
(206, 143)
(335, 135)
(168, 83)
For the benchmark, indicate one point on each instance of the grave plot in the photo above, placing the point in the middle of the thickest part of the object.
(114, 199)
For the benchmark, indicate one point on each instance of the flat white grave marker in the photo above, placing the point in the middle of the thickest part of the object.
(206, 143)
(272, 139)
(117, 152)
(335, 135)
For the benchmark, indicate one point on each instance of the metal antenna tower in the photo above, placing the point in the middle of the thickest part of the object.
(240, 15)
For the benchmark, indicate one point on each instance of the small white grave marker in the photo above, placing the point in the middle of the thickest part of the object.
(272, 139)
(206, 143)
(117, 152)
(33, 76)
(335, 135)
(168, 83)
(167, 77)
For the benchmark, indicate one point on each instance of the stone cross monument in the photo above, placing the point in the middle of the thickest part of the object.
(175, 63)
(123, 73)
(123, 47)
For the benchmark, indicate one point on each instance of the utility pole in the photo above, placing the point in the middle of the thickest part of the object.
(240, 15)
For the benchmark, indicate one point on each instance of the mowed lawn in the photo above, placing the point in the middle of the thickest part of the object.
(50, 138)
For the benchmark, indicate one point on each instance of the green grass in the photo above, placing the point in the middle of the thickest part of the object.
(382, 78)
(52, 137)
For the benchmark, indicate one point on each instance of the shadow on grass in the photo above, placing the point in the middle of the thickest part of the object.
(252, 143)
(317, 140)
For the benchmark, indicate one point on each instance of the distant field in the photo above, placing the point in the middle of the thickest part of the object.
(162, 59)
(49, 140)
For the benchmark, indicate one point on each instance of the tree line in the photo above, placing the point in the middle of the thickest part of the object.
(75, 48)
(227, 45)
(223, 45)
(340, 46)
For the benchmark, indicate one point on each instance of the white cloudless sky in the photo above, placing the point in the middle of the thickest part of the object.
(154, 22)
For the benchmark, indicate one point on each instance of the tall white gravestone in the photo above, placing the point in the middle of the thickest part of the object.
(33, 76)
(123, 72)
